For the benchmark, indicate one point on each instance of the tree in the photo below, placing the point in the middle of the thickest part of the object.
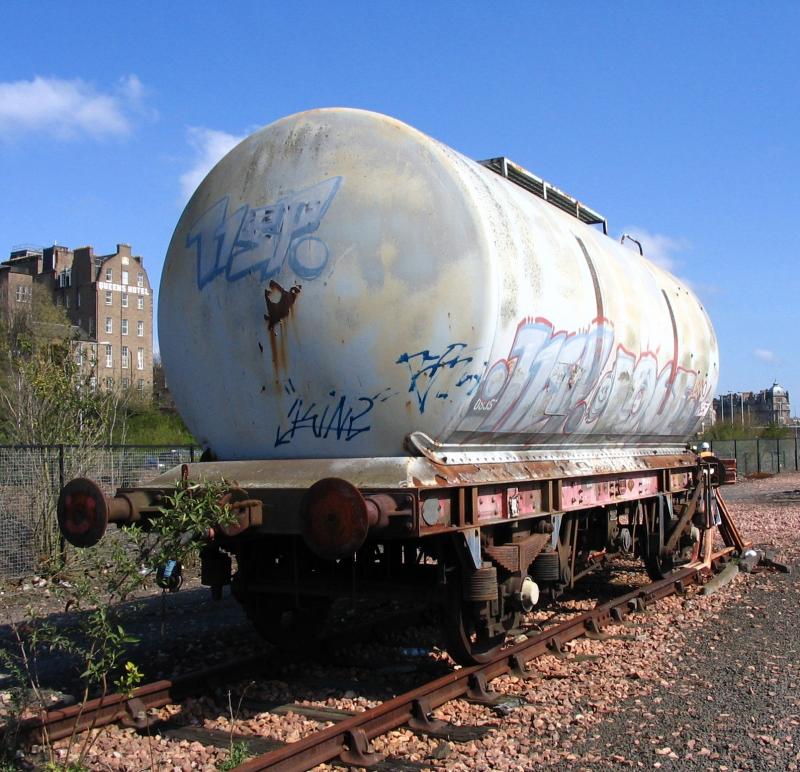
(49, 397)
(775, 431)
(737, 430)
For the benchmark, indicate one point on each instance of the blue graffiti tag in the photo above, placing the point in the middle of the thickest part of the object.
(342, 418)
(424, 367)
(263, 239)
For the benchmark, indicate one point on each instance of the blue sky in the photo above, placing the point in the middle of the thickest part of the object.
(678, 121)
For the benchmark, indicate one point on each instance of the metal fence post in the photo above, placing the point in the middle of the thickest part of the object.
(60, 467)
(62, 542)
(758, 455)
(778, 446)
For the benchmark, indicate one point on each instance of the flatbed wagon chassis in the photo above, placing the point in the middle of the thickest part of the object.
(485, 539)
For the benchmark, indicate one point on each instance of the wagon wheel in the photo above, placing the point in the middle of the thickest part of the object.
(284, 622)
(660, 565)
(475, 630)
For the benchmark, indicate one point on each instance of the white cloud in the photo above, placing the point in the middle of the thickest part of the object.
(208, 146)
(657, 247)
(704, 289)
(765, 355)
(132, 88)
(663, 250)
(67, 109)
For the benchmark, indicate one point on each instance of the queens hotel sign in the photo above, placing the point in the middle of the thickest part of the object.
(107, 285)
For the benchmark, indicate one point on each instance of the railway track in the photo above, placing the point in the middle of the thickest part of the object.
(132, 710)
(347, 740)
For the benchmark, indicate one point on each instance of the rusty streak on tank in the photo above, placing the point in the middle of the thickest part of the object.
(279, 303)
(279, 306)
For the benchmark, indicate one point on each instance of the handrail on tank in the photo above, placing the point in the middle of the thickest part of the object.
(635, 241)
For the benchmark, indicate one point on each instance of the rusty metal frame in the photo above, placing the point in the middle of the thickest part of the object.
(280, 486)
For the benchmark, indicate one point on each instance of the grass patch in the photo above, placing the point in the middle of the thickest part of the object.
(149, 426)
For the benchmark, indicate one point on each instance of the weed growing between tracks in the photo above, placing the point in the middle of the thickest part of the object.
(91, 637)
(238, 750)
(239, 753)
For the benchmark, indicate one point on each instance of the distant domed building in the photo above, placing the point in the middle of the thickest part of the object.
(778, 399)
(770, 406)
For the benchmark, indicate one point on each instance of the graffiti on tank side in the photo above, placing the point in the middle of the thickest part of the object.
(265, 238)
(338, 417)
(424, 368)
(554, 381)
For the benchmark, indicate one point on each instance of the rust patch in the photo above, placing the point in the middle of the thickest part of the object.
(279, 303)
(273, 344)
(279, 306)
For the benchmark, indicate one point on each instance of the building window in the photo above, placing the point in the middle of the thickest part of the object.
(140, 328)
(93, 383)
(124, 299)
(140, 280)
(108, 297)
(125, 358)
(140, 303)
(124, 278)
(79, 358)
(109, 383)
(140, 359)
(140, 385)
(65, 278)
(109, 325)
(109, 275)
(126, 382)
(109, 355)
(23, 294)
(124, 326)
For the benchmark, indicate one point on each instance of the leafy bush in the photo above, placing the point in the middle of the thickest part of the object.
(101, 577)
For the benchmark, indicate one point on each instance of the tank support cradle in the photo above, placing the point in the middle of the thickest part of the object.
(731, 538)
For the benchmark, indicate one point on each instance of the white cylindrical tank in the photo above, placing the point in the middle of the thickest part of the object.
(340, 281)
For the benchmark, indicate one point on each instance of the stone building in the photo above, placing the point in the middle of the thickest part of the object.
(107, 297)
(757, 408)
(16, 290)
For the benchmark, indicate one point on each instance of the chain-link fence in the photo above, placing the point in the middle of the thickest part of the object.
(31, 477)
(762, 455)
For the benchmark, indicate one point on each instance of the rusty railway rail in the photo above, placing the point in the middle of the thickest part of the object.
(131, 710)
(348, 740)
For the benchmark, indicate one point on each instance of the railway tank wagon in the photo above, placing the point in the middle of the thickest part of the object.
(423, 373)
